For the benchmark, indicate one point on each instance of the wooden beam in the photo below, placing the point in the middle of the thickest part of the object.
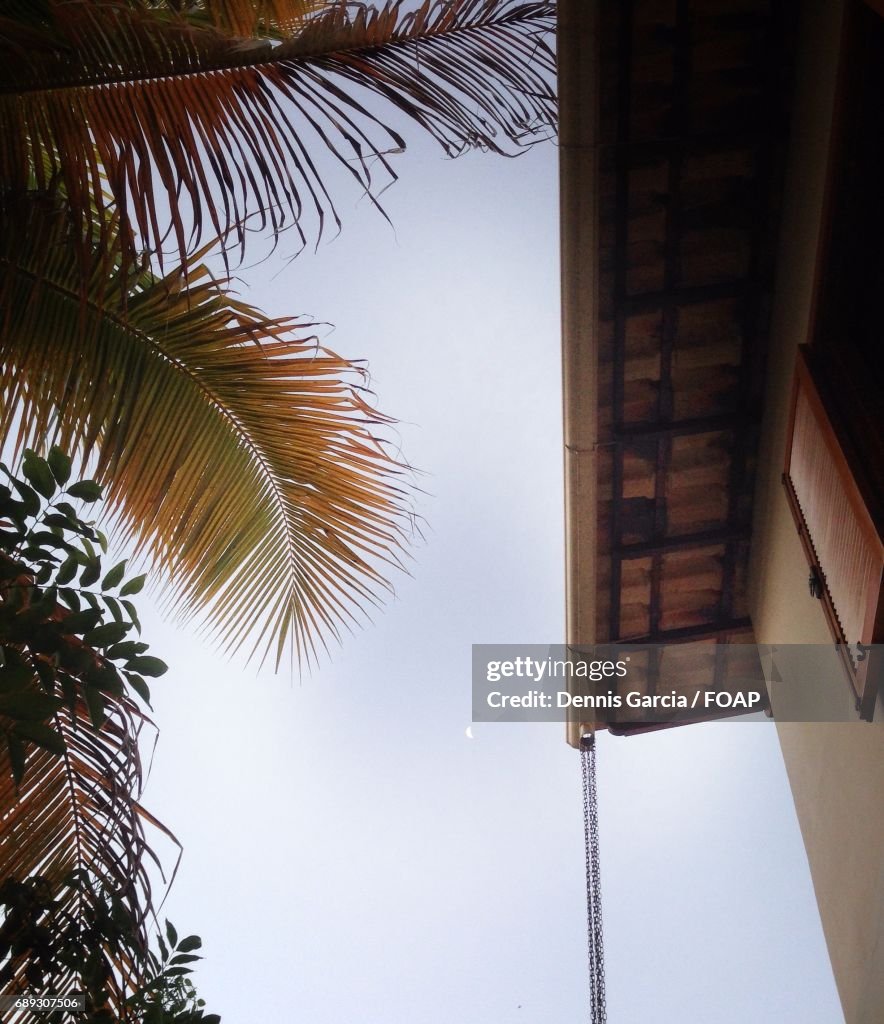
(705, 539)
(685, 427)
(650, 302)
(708, 631)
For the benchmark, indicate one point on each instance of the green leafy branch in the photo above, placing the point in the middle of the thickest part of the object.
(66, 623)
(38, 926)
(169, 996)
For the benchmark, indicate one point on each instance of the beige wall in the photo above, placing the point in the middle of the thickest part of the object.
(836, 771)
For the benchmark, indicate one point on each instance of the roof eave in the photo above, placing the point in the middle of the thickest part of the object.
(578, 70)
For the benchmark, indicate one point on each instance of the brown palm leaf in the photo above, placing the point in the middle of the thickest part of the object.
(78, 812)
(245, 18)
(226, 134)
(235, 450)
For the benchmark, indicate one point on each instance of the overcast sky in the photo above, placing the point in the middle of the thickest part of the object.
(350, 854)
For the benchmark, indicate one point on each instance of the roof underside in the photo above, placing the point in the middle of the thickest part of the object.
(689, 128)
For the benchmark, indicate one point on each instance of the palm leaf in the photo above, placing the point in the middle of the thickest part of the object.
(236, 451)
(244, 18)
(224, 132)
(78, 814)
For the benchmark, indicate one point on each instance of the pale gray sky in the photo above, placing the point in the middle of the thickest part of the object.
(350, 855)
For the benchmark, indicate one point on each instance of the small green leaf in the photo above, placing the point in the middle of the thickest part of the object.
(133, 614)
(184, 958)
(171, 934)
(115, 608)
(133, 586)
(108, 681)
(85, 490)
(18, 513)
(47, 603)
(162, 945)
(188, 944)
(35, 553)
(127, 649)
(148, 665)
(43, 735)
(28, 705)
(109, 633)
(102, 540)
(29, 498)
(47, 539)
(80, 622)
(14, 677)
(76, 658)
(115, 576)
(10, 539)
(37, 471)
(91, 573)
(139, 686)
(56, 520)
(69, 690)
(95, 703)
(71, 598)
(60, 464)
(46, 673)
(67, 570)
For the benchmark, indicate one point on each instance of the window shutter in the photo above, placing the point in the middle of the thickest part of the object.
(841, 539)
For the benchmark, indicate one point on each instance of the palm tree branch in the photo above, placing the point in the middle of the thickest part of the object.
(161, 106)
(243, 18)
(79, 812)
(237, 453)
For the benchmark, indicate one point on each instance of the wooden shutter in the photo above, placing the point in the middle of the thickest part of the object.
(841, 539)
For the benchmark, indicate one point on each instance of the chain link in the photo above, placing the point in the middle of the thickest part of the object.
(596, 951)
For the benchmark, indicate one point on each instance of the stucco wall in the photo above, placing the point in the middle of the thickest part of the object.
(836, 771)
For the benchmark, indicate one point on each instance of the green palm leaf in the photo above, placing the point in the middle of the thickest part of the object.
(236, 451)
(224, 132)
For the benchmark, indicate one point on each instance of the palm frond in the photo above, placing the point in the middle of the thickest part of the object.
(261, 19)
(224, 131)
(77, 814)
(236, 451)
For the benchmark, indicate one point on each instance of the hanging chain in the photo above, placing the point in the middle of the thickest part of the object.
(596, 951)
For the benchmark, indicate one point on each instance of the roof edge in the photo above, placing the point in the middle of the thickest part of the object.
(578, 78)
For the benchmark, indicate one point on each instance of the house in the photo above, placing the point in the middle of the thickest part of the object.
(723, 367)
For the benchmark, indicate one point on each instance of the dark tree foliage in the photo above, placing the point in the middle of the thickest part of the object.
(75, 894)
